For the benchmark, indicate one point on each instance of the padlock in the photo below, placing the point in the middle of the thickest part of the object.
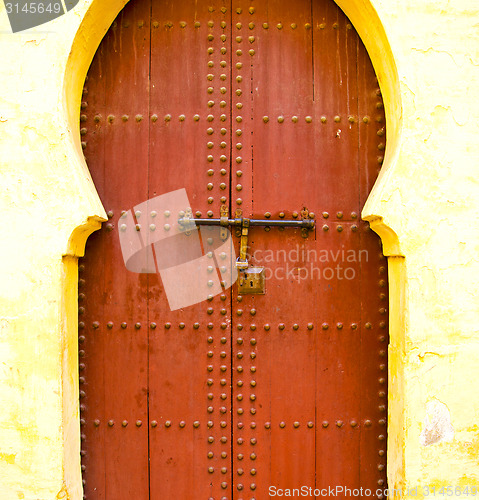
(251, 281)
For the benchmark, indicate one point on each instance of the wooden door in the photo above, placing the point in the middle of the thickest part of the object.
(265, 107)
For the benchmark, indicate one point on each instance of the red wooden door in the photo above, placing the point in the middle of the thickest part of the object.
(266, 107)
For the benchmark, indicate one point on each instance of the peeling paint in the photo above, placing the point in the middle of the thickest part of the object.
(437, 424)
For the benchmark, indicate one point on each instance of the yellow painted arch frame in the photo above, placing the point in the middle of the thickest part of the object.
(95, 23)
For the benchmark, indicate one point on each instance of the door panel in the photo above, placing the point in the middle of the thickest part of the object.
(268, 109)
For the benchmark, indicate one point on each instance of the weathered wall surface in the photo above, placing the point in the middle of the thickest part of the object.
(429, 196)
(425, 205)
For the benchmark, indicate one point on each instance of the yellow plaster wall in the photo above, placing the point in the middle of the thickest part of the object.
(429, 196)
(424, 206)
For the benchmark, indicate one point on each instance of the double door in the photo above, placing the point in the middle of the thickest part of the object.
(264, 108)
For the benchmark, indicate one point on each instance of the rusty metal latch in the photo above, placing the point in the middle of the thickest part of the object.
(251, 279)
(188, 223)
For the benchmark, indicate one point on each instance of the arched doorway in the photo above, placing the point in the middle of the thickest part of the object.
(267, 108)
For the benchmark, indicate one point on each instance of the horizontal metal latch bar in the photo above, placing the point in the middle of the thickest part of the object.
(304, 223)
